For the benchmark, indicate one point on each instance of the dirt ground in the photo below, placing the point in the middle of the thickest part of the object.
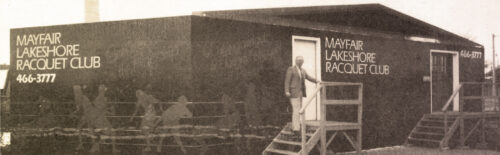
(403, 150)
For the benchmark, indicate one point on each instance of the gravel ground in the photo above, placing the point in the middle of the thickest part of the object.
(402, 150)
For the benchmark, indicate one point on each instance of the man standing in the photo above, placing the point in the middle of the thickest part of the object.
(295, 89)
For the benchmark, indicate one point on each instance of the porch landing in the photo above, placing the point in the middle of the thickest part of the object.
(334, 125)
(403, 150)
(487, 114)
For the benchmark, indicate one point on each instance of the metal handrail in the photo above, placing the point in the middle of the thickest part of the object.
(445, 107)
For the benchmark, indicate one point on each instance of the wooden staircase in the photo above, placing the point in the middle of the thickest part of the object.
(289, 143)
(438, 128)
(431, 131)
(316, 132)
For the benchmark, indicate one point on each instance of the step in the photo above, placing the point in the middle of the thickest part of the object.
(282, 152)
(309, 129)
(428, 133)
(430, 127)
(291, 133)
(425, 140)
(286, 142)
(285, 137)
(441, 116)
(437, 121)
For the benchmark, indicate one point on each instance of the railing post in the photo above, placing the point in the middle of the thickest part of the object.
(360, 118)
(461, 111)
(461, 100)
(483, 143)
(462, 138)
(303, 125)
(496, 106)
(303, 132)
(445, 121)
(495, 102)
(322, 122)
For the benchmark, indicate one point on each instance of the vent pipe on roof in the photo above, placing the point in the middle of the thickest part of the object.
(91, 11)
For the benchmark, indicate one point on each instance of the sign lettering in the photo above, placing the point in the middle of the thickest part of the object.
(346, 56)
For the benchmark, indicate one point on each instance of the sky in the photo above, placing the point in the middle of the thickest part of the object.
(476, 20)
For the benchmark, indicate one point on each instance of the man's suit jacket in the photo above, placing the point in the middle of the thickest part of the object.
(294, 84)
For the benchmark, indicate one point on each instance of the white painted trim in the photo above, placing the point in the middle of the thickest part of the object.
(455, 70)
(318, 64)
(422, 39)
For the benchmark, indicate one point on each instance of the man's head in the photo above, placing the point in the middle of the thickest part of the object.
(299, 60)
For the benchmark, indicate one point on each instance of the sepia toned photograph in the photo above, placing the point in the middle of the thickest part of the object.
(221, 77)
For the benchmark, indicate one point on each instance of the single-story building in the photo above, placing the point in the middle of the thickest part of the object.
(408, 67)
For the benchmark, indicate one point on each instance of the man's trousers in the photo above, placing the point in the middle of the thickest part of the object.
(296, 105)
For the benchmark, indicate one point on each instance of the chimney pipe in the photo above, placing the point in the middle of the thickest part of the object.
(91, 11)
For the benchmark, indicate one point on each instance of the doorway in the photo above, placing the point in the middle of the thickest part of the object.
(309, 48)
(444, 69)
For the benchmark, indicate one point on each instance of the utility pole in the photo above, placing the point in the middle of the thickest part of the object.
(493, 79)
(483, 144)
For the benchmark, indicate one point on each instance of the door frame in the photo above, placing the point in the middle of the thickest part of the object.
(455, 72)
(317, 40)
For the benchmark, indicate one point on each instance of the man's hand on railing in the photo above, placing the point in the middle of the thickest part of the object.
(287, 94)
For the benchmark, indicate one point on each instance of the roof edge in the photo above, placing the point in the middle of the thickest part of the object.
(400, 14)
(319, 8)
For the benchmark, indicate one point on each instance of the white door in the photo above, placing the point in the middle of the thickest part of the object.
(309, 48)
(444, 79)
